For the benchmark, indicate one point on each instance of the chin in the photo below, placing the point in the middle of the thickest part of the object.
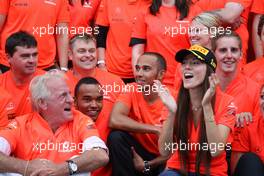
(191, 85)
(229, 70)
(188, 86)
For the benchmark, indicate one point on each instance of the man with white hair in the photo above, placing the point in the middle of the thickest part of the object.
(57, 140)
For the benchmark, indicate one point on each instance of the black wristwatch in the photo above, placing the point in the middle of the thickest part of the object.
(72, 167)
(146, 167)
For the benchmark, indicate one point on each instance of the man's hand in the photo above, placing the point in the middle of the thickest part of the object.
(43, 167)
(243, 117)
(137, 160)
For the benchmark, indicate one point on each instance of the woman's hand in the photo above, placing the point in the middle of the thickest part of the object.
(165, 96)
(214, 81)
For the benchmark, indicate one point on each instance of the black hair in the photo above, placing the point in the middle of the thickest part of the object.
(160, 59)
(181, 5)
(20, 38)
(85, 80)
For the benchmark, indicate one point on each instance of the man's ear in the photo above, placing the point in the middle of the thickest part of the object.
(75, 102)
(161, 74)
(9, 58)
(70, 54)
(42, 104)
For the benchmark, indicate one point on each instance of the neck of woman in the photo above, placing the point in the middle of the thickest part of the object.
(168, 3)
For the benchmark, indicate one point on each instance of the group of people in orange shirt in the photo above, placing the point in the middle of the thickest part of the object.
(136, 87)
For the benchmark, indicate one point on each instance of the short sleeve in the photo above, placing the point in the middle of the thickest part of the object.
(139, 28)
(102, 14)
(86, 128)
(227, 116)
(126, 98)
(11, 133)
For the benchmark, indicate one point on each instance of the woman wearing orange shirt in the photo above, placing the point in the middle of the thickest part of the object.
(82, 13)
(163, 28)
(197, 128)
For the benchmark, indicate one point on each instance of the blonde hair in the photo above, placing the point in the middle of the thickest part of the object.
(208, 19)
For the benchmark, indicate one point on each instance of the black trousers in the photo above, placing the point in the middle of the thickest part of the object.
(249, 164)
(121, 156)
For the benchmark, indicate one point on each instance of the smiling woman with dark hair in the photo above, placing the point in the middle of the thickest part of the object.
(202, 119)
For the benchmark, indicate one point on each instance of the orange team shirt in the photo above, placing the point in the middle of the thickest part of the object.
(224, 115)
(20, 96)
(42, 142)
(255, 70)
(165, 34)
(81, 16)
(143, 112)
(37, 17)
(257, 6)
(207, 5)
(107, 81)
(251, 139)
(5, 111)
(245, 92)
(119, 15)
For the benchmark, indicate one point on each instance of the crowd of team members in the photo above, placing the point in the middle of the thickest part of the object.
(129, 87)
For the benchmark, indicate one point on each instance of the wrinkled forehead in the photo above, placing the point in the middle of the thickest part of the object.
(56, 84)
(81, 43)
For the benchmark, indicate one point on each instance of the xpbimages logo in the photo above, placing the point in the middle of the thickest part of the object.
(183, 28)
(51, 30)
(189, 146)
(63, 147)
(146, 89)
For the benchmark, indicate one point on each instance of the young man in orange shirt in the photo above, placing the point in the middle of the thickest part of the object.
(60, 140)
(227, 47)
(22, 53)
(84, 58)
(255, 69)
(46, 20)
(137, 117)
(89, 100)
